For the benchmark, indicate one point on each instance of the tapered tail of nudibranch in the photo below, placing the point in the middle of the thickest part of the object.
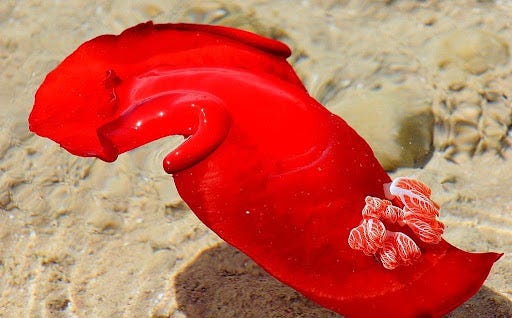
(263, 165)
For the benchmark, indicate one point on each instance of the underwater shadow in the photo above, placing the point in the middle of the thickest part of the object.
(485, 304)
(223, 283)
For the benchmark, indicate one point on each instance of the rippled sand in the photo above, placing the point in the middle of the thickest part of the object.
(79, 237)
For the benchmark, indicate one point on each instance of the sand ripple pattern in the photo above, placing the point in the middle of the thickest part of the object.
(473, 100)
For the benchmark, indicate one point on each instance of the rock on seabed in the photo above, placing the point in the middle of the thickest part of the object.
(474, 51)
(397, 122)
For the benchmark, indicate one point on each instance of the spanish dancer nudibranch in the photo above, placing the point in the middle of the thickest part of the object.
(263, 164)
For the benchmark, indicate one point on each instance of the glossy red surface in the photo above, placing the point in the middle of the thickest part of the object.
(264, 165)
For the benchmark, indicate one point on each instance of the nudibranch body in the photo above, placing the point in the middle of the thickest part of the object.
(264, 165)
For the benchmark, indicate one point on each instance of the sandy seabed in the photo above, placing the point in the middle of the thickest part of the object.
(82, 238)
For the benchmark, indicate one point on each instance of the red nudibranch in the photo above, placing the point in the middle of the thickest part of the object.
(264, 165)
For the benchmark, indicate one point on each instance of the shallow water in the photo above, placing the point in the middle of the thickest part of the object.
(82, 238)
